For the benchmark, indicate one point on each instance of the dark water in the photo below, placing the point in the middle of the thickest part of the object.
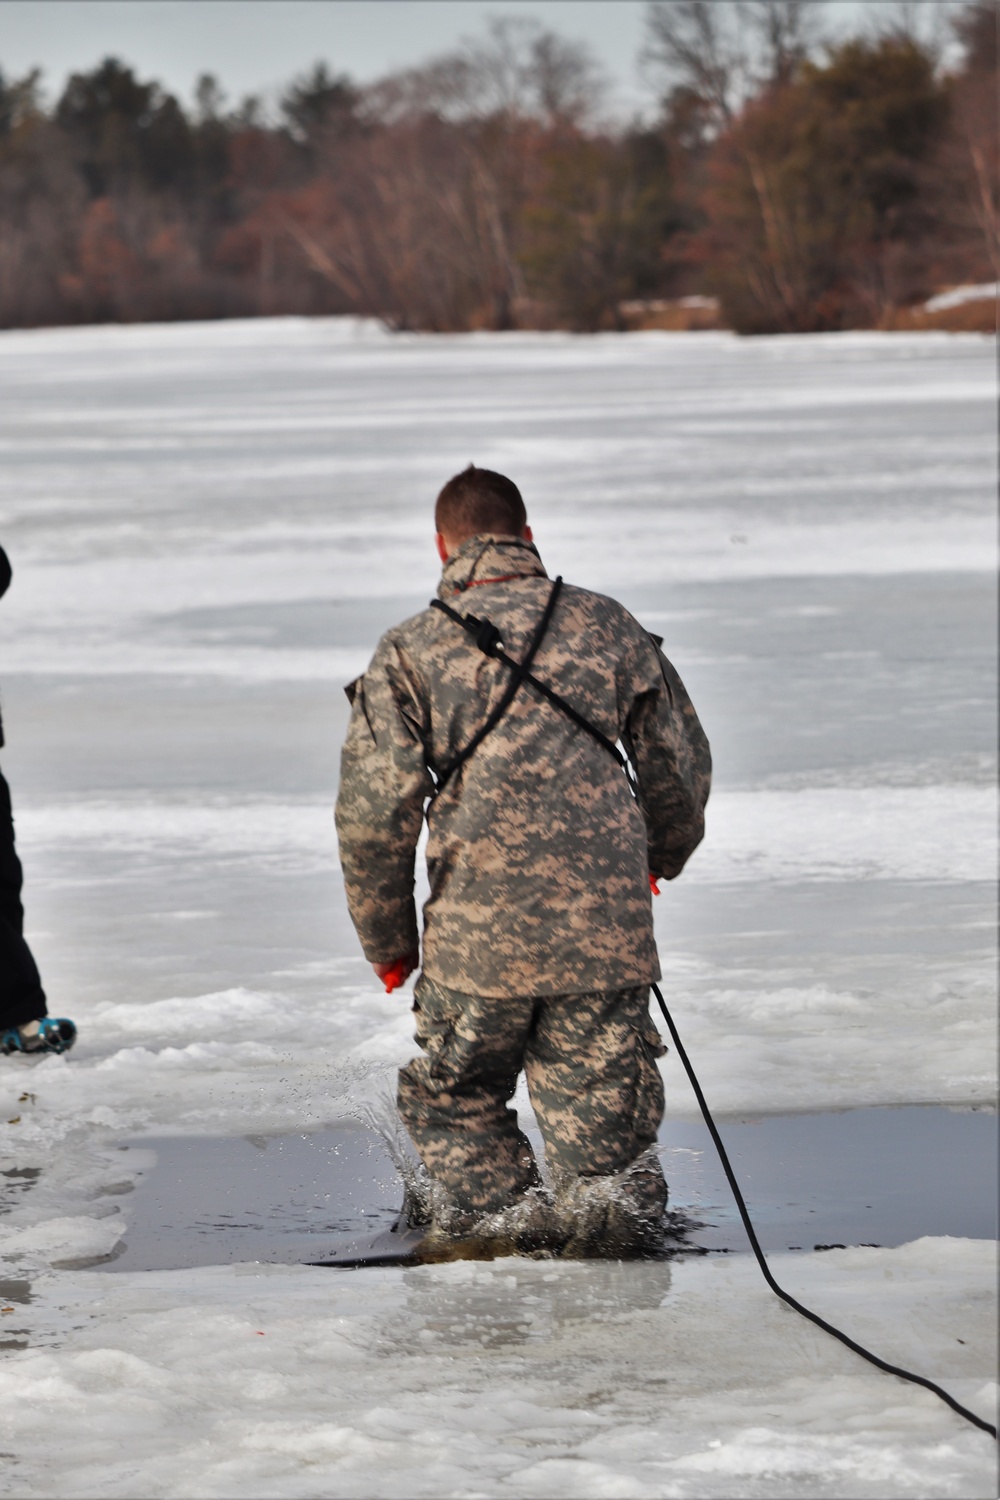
(212, 1200)
(862, 1176)
(852, 1177)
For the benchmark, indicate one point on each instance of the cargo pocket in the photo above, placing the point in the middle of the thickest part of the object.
(652, 1039)
(648, 1106)
(435, 1022)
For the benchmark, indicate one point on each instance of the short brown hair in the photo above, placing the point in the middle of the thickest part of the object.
(477, 501)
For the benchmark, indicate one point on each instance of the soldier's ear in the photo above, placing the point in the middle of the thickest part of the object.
(526, 533)
(442, 547)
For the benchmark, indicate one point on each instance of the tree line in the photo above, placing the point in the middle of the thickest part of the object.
(805, 183)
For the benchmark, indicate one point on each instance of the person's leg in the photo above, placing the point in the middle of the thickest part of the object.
(453, 1097)
(22, 998)
(598, 1097)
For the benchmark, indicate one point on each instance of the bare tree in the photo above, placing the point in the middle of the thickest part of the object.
(518, 71)
(927, 26)
(784, 32)
(696, 46)
(566, 86)
(965, 182)
(721, 51)
(484, 109)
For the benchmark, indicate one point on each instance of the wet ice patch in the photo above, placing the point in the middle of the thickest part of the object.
(61, 1242)
(810, 1047)
(934, 833)
(230, 1015)
(297, 834)
(687, 1380)
(937, 833)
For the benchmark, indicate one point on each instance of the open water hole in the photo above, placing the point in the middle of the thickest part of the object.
(880, 1176)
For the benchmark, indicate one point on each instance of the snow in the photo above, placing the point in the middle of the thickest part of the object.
(983, 292)
(210, 525)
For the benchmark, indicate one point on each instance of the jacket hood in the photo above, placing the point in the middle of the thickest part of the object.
(486, 558)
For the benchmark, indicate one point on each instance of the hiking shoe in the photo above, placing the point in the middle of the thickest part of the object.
(50, 1034)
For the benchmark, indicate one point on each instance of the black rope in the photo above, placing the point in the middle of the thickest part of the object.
(487, 638)
(872, 1359)
(578, 718)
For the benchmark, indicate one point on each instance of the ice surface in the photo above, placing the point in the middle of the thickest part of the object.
(209, 526)
(511, 1378)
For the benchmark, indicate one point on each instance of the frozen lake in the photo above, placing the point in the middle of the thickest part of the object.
(209, 527)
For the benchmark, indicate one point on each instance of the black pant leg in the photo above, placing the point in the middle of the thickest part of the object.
(21, 995)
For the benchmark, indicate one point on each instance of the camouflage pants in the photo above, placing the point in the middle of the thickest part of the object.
(592, 1078)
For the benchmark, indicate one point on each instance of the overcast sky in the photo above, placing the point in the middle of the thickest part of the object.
(255, 46)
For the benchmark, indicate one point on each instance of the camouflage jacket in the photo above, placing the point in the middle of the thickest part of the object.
(538, 853)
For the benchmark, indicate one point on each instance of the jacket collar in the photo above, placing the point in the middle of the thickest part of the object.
(489, 556)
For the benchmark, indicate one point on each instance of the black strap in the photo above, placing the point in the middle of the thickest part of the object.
(487, 638)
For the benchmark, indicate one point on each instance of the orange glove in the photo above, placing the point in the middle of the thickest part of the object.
(397, 975)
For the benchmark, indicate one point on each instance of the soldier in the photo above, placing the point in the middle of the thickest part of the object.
(538, 947)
